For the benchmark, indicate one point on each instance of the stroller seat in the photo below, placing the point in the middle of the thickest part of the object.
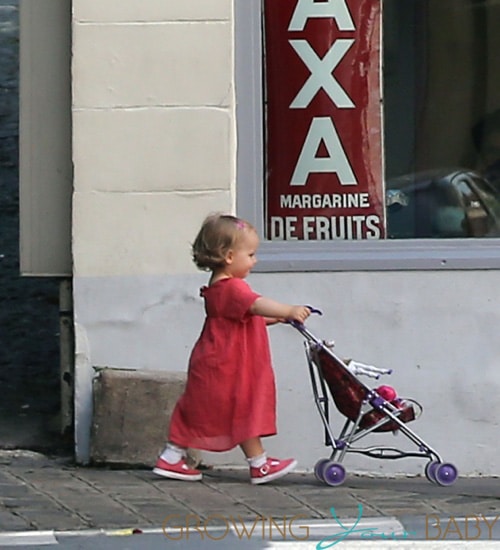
(406, 415)
(349, 394)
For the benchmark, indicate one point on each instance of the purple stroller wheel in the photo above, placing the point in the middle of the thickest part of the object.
(445, 474)
(318, 468)
(430, 471)
(333, 473)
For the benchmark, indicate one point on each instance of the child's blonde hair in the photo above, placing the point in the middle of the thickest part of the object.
(218, 234)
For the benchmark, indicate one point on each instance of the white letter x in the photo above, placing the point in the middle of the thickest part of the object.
(321, 74)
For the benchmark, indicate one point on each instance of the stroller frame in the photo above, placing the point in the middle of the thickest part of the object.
(330, 470)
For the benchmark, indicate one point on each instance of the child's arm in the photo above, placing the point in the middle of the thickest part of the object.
(273, 320)
(275, 310)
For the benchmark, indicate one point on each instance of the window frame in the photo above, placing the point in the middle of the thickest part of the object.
(341, 255)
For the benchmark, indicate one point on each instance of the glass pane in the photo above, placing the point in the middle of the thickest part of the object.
(442, 118)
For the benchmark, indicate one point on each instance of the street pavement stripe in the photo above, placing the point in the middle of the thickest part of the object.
(28, 538)
(387, 545)
(297, 529)
(320, 534)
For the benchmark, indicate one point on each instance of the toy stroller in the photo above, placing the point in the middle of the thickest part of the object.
(367, 410)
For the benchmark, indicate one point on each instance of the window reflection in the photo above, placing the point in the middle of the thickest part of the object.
(442, 118)
(442, 204)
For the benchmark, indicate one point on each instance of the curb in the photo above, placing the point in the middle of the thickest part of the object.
(372, 532)
(241, 531)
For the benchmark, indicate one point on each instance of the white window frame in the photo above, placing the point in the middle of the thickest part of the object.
(362, 255)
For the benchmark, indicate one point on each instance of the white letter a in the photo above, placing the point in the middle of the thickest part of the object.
(336, 9)
(322, 129)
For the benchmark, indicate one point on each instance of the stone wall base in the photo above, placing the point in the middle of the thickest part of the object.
(132, 410)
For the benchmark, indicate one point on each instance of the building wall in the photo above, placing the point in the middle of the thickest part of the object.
(154, 151)
(153, 148)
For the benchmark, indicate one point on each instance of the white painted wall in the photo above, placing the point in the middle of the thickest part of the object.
(437, 331)
(153, 131)
(154, 152)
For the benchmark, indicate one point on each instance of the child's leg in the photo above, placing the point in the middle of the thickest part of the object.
(252, 448)
(172, 453)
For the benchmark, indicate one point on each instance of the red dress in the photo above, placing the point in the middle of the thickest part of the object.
(230, 394)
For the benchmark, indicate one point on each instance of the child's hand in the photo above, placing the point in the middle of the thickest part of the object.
(265, 307)
(299, 313)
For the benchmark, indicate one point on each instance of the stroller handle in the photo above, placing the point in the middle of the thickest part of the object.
(300, 326)
(315, 310)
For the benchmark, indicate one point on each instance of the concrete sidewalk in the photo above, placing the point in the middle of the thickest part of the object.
(42, 493)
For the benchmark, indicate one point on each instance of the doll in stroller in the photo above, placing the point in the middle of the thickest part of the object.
(367, 410)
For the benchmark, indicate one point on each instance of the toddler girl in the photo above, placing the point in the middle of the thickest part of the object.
(229, 398)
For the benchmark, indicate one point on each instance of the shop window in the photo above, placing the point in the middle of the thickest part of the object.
(354, 156)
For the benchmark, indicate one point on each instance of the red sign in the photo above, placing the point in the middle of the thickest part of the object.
(323, 120)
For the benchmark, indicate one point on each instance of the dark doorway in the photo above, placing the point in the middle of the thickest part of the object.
(29, 311)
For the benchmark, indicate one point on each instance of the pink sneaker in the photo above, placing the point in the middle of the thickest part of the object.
(272, 469)
(179, 470)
